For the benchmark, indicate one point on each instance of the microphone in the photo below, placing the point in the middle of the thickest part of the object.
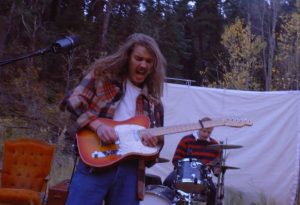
(65, 44)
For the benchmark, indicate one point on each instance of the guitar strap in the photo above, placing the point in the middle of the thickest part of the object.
(150, 112)
(141, 180)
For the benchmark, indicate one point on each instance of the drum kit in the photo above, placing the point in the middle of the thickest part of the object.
(191, 182)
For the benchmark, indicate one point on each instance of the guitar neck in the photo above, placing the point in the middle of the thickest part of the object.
(158, 131)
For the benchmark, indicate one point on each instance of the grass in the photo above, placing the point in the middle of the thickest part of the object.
(62, 164)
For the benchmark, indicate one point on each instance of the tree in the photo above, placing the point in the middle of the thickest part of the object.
(244, 51)
(174, 41)
(286, 75)
(207, 30)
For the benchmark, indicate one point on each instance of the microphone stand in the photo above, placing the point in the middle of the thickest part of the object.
(64, 44)
(35, 53)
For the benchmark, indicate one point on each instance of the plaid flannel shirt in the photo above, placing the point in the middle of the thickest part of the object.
(92, 99)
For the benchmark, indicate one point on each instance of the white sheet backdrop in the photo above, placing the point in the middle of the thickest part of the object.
(269, 159)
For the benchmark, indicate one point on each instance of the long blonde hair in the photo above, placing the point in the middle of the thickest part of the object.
(115, 66)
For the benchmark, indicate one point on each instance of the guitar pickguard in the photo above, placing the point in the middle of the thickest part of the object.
(129, 142)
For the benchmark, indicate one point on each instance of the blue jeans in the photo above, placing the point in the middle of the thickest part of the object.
(116, 185)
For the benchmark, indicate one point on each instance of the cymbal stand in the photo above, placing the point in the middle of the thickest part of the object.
(220, 189)
(220, 183)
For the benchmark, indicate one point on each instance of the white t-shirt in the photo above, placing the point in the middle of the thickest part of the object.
(127, 107)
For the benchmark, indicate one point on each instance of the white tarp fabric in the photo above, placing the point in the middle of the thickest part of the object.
(269, 158)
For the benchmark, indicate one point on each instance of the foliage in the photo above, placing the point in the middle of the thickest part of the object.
(202, 41)
(286, 74)
(233, 196)
(206, 34)
(243, 59)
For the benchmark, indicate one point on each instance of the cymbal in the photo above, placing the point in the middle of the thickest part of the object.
(224, 146)
(161, 160)
(228, 167)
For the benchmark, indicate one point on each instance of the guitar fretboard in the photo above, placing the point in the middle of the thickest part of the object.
(158, 131)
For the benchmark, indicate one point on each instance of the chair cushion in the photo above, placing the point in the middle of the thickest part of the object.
(26, 164)
(19, 196)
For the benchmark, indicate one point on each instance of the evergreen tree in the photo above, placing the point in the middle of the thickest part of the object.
(207, 30)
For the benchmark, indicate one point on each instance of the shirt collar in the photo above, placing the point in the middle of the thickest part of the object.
(144, 90)
(197, 137)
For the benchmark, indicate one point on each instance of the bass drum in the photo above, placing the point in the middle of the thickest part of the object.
(158, 194)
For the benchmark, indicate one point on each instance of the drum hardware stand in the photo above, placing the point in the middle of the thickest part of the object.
(220, 183)
(189, 200)
(220, 189)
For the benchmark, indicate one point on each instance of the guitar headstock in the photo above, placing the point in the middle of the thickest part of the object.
(237, 123)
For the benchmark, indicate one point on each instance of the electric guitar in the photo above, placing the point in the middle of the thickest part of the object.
(98, 155)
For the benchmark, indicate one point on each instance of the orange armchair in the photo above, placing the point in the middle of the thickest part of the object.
(26, 168)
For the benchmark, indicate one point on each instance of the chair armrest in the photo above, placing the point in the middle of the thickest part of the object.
(45, 184)
(47, 178)
(0, 174)
(44, 191)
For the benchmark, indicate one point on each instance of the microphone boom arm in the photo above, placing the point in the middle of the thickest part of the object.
(61, 45)
(35, 53)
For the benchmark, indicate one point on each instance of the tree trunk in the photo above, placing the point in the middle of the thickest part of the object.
(5, 25)
(103, 41)
(268, 21)
(271, 42)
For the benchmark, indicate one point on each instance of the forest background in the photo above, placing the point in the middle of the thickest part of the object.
(234, 44)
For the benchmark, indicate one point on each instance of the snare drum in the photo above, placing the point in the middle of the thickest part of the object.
(191, 175)
(158, 194)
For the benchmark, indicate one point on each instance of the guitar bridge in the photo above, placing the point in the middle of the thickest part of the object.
(111, 152)
(97, 154)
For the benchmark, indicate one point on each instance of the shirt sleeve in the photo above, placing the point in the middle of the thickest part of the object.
(79, 101)
(180, 151)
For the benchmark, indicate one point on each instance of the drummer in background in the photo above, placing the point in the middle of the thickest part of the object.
(195, 146)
